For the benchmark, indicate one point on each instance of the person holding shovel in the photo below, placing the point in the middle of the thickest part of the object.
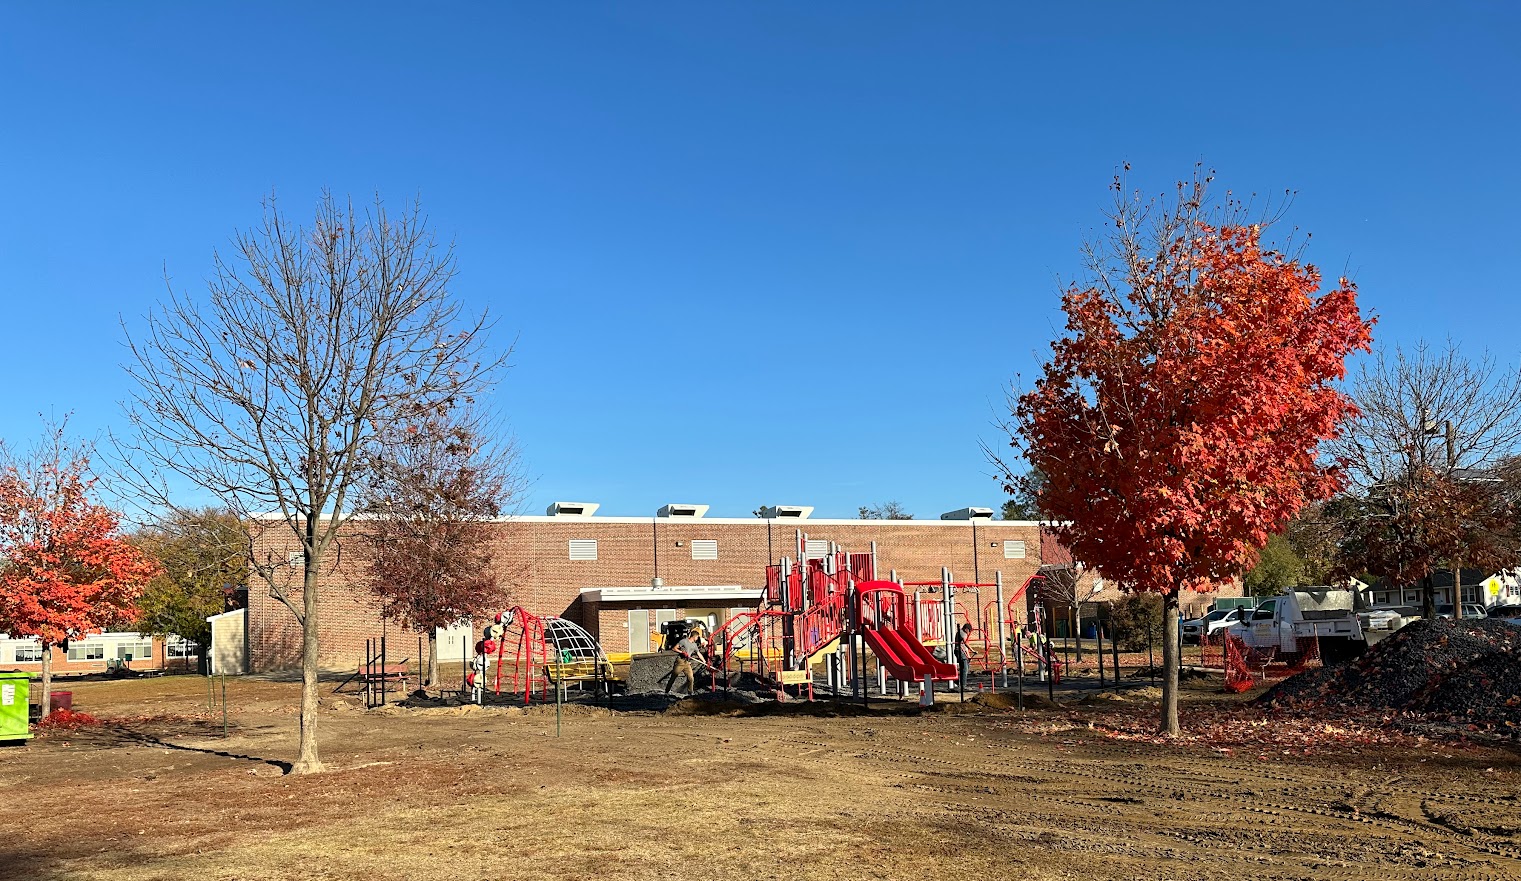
(688, 651)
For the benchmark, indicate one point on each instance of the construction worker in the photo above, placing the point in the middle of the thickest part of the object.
(688, 650)
(963, 652)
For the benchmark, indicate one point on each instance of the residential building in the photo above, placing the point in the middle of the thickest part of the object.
(100, 652)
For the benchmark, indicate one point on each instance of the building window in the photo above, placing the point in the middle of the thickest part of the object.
(87, 651)
(583, 549)
(1013, 550)
(29, 653)
(1412, 596)
(704, 549)
(134, 651)
(181, 648)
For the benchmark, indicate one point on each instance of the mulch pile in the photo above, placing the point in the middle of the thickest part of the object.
(1462, 672)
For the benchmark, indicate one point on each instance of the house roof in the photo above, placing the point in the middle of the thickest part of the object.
(1440, 578)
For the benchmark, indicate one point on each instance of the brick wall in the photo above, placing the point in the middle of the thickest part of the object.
(533, 558)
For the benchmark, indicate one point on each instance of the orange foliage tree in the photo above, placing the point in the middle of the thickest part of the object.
(66, 571)
(1178, 421)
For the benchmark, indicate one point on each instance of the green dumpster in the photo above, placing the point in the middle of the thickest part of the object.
(14, 689)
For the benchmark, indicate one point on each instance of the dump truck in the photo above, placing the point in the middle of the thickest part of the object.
(1322, 617)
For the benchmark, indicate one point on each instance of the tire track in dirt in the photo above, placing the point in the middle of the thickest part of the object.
(1164, 783)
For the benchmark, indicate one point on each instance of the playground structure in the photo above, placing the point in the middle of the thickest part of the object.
(826, 610)
(831, 609)
(545, 651)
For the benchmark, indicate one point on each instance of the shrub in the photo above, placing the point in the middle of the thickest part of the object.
(1137, 621)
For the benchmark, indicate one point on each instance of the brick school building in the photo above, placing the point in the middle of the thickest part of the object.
(621, 577)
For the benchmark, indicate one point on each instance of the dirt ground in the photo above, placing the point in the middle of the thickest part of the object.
(974, 792)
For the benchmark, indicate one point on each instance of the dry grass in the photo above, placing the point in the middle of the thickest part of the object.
(984, 792)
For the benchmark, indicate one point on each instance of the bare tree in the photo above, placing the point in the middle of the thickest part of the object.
(279, 389)
(1063, 587)
(891, 510)
(431, 560)
(1426, 459)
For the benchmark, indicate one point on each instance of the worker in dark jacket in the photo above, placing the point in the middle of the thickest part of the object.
(963, 652)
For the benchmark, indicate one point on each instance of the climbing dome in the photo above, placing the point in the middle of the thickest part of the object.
(542, 651)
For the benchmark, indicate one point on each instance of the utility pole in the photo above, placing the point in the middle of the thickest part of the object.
(1457, 565)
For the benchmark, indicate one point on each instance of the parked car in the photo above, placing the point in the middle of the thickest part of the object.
(1470, 610)
(1381, 619)
(1212, 623)
(1509, 614)
(1388, 618)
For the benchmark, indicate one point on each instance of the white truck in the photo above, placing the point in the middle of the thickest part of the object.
(1293, 622)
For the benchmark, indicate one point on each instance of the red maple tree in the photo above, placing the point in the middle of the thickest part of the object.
(1178, 420)
(67, 570)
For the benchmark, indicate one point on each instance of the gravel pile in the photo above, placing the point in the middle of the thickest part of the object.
(1455, 671)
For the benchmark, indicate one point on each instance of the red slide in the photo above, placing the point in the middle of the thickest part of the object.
(905, 658)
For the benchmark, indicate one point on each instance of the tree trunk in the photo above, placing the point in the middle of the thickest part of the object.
(1428, 598)
(47, 679)
(432, 681)
(306, 756)
(1170, 663)
(1077, 628)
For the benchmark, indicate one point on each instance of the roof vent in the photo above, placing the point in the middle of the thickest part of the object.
(968, 514)
(787, 512)
(682, 511)
(572, 509)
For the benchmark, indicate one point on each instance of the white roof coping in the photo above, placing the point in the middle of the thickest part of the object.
(225, 614)
(670, 593)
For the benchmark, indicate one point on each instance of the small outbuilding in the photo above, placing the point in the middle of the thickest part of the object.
(229, 643)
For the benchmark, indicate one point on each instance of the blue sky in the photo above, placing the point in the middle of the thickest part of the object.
(752, 253)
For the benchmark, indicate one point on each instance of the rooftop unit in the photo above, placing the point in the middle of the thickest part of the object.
(572, 509)
(968, 514)
(787, 512)
(674, 510)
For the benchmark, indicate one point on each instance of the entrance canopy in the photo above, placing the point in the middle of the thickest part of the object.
(670, 594)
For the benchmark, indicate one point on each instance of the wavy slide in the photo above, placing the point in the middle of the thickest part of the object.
(905, 658)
